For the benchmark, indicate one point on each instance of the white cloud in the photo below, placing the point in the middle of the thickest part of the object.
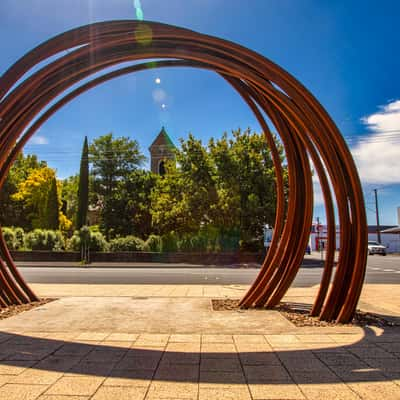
(39, 140)
(318, 195)
(378, 155)
(385, 120)
(317, 189)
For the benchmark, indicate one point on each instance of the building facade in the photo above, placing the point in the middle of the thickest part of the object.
(319, 237)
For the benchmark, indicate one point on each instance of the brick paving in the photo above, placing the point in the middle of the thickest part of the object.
(296, 363)
(113, 365)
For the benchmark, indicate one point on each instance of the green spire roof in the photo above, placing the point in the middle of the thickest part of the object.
(163, 139)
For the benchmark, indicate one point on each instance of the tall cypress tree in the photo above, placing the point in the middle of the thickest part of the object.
(83, 189)
(52, 218)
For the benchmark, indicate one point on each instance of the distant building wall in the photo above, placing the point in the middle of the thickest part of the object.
(390, 240)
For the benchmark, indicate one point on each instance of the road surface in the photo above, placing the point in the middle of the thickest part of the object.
(379, 270)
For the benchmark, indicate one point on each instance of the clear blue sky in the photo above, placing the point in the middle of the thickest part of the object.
(345, 52)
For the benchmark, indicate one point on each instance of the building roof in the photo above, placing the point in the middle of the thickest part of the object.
(162, 140)
(395, 229)
(374, 228)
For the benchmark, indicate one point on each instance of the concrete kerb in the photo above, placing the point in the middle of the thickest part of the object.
(312, 262)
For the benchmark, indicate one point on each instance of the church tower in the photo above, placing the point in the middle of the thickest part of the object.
(161, 149)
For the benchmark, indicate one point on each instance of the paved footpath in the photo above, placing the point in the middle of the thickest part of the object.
(165, 342)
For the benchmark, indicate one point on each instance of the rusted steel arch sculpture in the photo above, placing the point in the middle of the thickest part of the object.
(305, 130)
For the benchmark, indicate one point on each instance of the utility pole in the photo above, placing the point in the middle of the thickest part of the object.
(320, 248)
(378, 228)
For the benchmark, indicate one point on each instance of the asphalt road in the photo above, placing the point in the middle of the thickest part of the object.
(379, 270)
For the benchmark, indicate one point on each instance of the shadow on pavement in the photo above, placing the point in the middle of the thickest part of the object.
(371, 359)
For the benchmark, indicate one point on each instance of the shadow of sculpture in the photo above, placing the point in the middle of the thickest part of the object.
(373, 358)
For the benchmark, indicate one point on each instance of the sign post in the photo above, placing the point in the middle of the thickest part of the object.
(268, 232)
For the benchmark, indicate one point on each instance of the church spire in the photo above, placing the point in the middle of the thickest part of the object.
(161, 149)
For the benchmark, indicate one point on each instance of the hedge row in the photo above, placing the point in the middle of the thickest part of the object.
(38, 239)
(207, 240)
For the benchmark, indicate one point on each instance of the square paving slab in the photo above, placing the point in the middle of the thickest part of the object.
(145, 314)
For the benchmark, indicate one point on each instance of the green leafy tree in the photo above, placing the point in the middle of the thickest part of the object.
(129, 211)
(12, 211)
(169, 206)
(245, 180)
(33, 192)
(69, 197)
(39, 193)
(228, 184)
(52, 218)
(185, 196)
(113, 159)
(83, 189)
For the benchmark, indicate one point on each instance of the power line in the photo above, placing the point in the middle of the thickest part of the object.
(393, 138)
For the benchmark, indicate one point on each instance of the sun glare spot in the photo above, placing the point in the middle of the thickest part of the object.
(158, 81)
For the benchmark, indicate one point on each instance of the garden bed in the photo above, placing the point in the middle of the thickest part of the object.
(14, 310)
(223, 258)
(299, 314)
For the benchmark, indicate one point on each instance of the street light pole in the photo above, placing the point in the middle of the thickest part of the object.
(378, 228)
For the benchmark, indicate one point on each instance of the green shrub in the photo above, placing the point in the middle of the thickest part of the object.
(153, 243)
(253, 245)
(200, 242)
(127, 243)
(19, 238)
(169, 242)
(54, 240)
(185, 243)
(9, 237)
(208, 239)
(74, 242)
(36, 240)
(40, 239)
(229, 241)
(97, 242)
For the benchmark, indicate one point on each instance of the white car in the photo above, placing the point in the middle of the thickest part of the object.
(376, 248)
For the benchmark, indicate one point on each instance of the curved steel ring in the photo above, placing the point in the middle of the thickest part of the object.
(305, 130)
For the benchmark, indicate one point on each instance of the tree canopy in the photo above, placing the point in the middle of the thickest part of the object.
(83, 188)
(39, 193)
(224, 188)
(228, 184)
(113, 160)
(12, 210)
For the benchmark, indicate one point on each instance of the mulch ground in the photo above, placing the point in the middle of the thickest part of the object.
(299, 314)
(14, 310)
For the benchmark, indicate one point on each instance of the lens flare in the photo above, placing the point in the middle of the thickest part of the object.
(138, 9)
(159, 95)
(151, 64)
(144, 35)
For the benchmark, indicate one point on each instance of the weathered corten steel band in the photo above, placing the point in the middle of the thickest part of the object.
(305, 131)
